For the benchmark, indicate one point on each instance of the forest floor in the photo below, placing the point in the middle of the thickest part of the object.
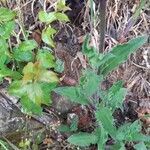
(135, 72)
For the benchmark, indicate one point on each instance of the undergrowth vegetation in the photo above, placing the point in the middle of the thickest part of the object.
(34, 74)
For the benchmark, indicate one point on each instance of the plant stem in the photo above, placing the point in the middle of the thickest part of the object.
(102, 26)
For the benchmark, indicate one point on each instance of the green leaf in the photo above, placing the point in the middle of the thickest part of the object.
(61, 6)
(73, 93)
(92, 54)
(23, 56)
(83, 139)
(114, 96)
(27, 45)
(103, 137)
(140, 146)
(104, 117)
(29, 106)
(90, 82)
(118, 146)
(3, 52)
(47, 88)
(59, 67)
(6, 29)
(6, 14)
(131, 132)
(24, 51)
(6, 72)
(47, 36)
(61, 17)
(46, 59)
(47, 17)
(15, 88)
(121, 53)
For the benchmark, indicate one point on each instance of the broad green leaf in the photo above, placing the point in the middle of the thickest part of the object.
(48, 76)
(6, 29)
(105, 118)
(121, 53)
(90, 82)
(36, 72)
(15, 88)
(29, 106)
(47, 17)
(83, 139)
(47, 36)
(27, 45)
(29, 72)
(6, 72)
(140, 146)
(6, 14)
(23, 56)
(24, 51)
(46, 59)
(61, 17)
(61, 6)
(73, 93)
(47, 89)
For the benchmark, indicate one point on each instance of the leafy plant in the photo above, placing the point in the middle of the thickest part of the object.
(48, 18)
(29, 67)
(89, 92)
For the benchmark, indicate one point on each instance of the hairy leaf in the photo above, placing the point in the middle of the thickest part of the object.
(131, 132)
(92, 54)
(83, 139)
(114, 96)
(121, 53)
(73, 93)
(104, 117)
(90, 82)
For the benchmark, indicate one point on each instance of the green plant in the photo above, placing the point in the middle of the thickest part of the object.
(107, 101)
(30, 67)
(48, 18)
